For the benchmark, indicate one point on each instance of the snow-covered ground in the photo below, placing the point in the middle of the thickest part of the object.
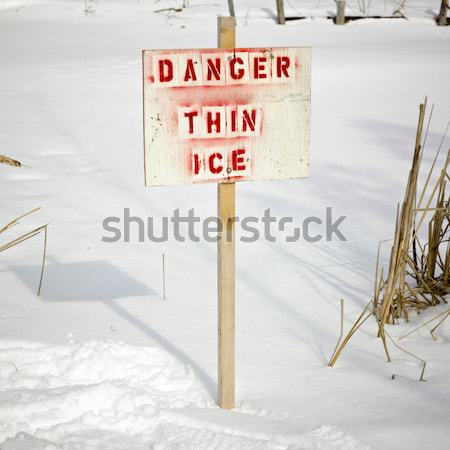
(100, 360)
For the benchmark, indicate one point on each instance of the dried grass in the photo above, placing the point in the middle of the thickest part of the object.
(9, 161)
(24, 237)
(418, 274)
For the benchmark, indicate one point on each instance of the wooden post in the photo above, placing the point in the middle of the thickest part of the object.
(280, 12)
(225, 262)
(340, 15)
(231, 8)
(442, 17)
(227, 32)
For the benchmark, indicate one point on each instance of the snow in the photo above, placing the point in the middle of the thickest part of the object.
(91, 395)
(100, 360)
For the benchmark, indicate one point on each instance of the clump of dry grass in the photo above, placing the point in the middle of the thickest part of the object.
(418, 272)
(418, 275)
(22, 238)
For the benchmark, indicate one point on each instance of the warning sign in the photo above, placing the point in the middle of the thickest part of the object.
(226, 115)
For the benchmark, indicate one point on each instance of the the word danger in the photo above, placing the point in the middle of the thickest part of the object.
(221, 69)
(220, 162)
(219, 121)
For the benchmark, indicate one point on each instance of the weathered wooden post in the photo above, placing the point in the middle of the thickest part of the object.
(231, 8)
(226, 262)
(280, 12)
(340, 14)
(442, 18)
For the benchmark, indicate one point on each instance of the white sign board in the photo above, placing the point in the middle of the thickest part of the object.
(222, 115)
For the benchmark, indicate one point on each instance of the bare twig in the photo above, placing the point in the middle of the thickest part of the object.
(342, 331)
(44, 253)
(410, 354)
(168, 9)
(438, 324)
(356, 325)
(164, 276)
